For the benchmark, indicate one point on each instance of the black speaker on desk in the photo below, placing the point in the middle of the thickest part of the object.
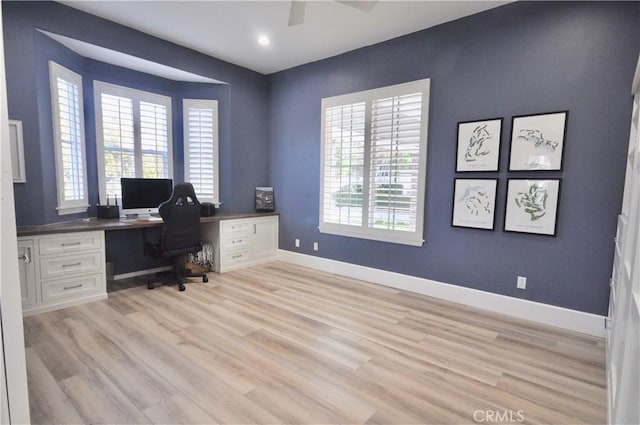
(207, 209)
(108, 211)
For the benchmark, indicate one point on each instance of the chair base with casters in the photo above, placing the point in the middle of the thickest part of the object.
(176, 275)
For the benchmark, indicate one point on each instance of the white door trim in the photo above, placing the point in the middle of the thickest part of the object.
(15, 396)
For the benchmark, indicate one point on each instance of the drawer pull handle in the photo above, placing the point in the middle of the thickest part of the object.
(236, 241)
(26, 256)
(72, 265)
(235, 257)
(71, 243)
(72, 287)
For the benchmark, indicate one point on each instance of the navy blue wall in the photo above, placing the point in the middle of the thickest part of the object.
(522, 58)
(242, 102)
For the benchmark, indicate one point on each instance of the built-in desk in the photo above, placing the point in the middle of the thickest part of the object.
(92, 224)
(63, 264)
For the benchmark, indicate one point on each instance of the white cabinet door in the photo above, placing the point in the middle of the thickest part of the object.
(623, 337)
(27, 271)
(265, 238)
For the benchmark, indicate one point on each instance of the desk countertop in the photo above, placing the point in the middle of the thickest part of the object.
(90, 224)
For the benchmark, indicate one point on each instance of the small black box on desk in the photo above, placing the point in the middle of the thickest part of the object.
(207, 209)
(108, 211)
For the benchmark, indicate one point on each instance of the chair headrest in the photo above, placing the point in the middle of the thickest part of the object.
(183, 195)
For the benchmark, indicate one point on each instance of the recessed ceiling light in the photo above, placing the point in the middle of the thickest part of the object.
(263, 40)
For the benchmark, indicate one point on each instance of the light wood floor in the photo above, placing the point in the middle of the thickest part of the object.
(283, 344)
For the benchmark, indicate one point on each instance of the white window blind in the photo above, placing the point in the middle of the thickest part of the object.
(154, 140)
(133, 131)
(395, 162)
(118, 141)
(374, 147)
(344, 164)
(69, 139)
(200, 118)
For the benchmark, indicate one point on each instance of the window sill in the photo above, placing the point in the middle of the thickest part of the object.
(72, 210)
(401, 238)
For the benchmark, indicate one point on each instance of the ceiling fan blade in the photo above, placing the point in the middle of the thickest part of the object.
(296, 12)
(363, 5)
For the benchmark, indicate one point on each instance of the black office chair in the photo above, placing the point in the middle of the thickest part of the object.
(180, 234)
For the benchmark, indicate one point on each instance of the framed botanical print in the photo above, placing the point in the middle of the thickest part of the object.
(474, 203)
(478, 147)
(537, 141)
(532, 206)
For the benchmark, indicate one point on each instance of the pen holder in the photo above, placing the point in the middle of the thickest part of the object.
(108, 211)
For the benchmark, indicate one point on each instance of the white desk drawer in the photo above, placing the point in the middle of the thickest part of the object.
(235, 227)
(236, 257)
(55, 267)
(71, 242)
(70, 287)
(233, 242)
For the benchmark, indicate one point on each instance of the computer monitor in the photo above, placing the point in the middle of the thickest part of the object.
(143, 196)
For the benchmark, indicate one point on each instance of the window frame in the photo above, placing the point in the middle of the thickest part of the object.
(137, 96)
(213, 106)
(64, 206)
(365, 231)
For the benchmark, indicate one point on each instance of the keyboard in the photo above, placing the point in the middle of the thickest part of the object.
(142, 220)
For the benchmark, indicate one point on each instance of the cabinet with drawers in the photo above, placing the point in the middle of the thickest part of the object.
(244, 242)
(60, 270)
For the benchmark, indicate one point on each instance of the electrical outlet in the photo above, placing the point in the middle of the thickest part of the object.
(297, 243)
(315, 246)
(522, 282)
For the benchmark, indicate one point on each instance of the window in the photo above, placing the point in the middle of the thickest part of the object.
(200, 118)
(373, 163)
(133, 132)
(68, 139)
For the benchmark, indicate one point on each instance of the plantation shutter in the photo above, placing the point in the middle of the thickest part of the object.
(154, 141)
(134, 136)
(344, 164)
(69, 139)
(119, 142)
(395, 155)
(201, 147)
(373, 164)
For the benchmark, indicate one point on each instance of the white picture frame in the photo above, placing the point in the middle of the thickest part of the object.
(478, 146)
(474, 203)
(16, 141)
(537, 141)
(532, 206)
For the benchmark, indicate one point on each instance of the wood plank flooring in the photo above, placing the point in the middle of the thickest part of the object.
(283, 344)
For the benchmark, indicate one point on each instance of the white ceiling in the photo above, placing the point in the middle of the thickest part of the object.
(228, 30)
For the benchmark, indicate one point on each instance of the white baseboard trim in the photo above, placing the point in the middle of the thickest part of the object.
(587, 323)
(57, 306)
(141, 273)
